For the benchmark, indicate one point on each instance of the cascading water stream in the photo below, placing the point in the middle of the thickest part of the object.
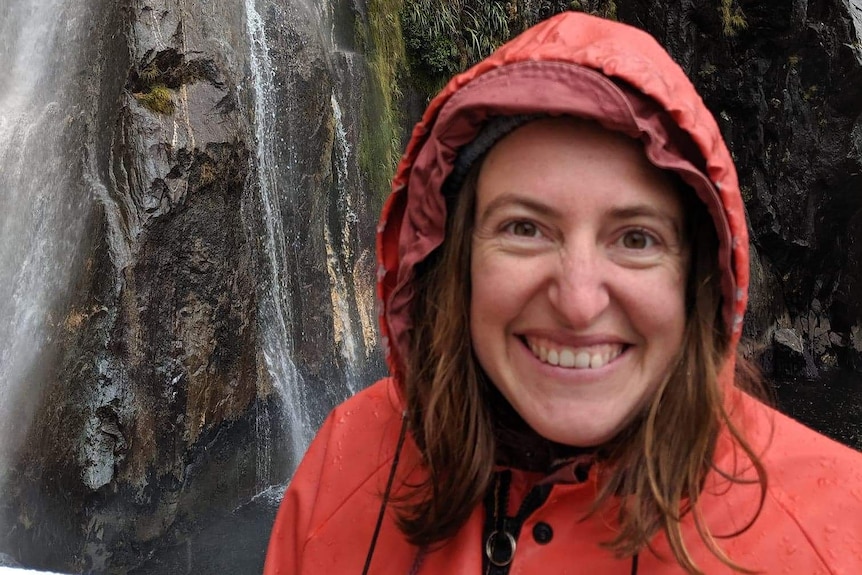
(343, 325)
(44, 205)
(352, 289)
(275, 308)
(279, 183)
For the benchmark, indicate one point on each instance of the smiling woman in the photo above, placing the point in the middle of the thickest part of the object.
(578, 272)
(564, 266)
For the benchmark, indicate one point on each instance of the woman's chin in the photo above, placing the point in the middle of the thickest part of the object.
(573, 426)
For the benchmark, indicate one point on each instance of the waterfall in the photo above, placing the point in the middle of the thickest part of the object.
(349, 256)
(44, 205)
(353, 334)
(275, 307)
(342, 324)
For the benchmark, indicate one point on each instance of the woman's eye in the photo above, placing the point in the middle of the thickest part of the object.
(523, 229)
(637, 240)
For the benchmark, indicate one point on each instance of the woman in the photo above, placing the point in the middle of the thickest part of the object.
(564, 264)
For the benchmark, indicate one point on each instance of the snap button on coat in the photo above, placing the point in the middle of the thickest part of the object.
(542, 533)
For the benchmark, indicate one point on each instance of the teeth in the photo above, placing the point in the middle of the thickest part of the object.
(592, 357)
(582, 360)
(567, 358)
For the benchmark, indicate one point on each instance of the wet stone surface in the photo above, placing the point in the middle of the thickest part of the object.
(831, 404)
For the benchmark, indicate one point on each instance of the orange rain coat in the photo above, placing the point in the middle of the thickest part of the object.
(811, 520)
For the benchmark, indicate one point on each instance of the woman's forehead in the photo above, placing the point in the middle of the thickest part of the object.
(553, 162)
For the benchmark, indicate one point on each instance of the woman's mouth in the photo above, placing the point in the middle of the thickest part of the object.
(587, 357)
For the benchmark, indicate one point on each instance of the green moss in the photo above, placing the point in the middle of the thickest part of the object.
(383, 44)
(732, 18)
(157, 99)
(707, 70)
(810, 93)
(604, 8)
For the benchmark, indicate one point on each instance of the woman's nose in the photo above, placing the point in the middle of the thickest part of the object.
(579, 292)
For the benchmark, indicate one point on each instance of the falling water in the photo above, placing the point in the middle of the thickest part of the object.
(342, 324)
(276, 166)
(275, 310)
(43, 202)
(349, 256)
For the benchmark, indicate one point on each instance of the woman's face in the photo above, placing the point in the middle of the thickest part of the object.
(578, 277)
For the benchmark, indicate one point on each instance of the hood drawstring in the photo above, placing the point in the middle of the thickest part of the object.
(635, 564)
(386, 493)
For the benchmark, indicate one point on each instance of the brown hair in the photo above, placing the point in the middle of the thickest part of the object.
(657, 465)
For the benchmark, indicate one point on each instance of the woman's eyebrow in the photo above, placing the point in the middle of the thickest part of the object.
(510, 199)
(648, 211)
(620, 213)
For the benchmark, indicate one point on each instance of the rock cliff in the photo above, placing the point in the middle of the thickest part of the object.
(225, 297)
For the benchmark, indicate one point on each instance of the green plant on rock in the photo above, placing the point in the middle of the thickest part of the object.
(208, 173)
(431, 32)
(444, 37)
(707, 70)
(157, 99)
(486, 25)
(732, 18)
(383, 43)
(810, 93)
(604, 8)
(150, 73)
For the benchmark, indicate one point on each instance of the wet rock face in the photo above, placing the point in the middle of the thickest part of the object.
(152, 425)
(161, 423)
(787, 92)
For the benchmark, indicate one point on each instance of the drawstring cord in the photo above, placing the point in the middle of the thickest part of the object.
(386, 493)
(635, 564)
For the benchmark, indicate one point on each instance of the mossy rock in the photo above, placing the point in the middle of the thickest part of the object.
(157, 99)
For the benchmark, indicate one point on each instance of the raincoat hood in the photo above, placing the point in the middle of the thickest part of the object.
(572, 64)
